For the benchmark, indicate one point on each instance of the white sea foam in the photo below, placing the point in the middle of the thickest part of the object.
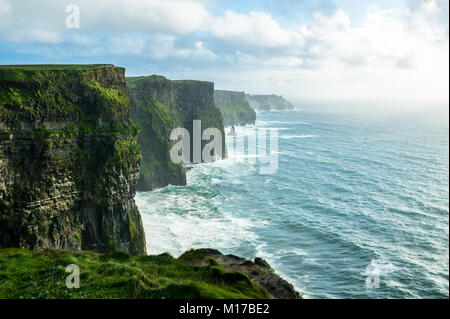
(288, 137)
(175, 225)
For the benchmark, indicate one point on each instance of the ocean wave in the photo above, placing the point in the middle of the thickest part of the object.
(288, 137)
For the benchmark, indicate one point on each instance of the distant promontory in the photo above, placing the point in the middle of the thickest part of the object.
(268, 102)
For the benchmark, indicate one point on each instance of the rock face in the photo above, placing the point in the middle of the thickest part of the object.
(69, 160)
(159, 105)
(268, 102)
(234, 107)
(258, 271)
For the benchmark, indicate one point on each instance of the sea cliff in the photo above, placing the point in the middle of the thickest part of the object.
(234, 107)
(268, 102)
(159, 105)
(69, 167)
(69, 159)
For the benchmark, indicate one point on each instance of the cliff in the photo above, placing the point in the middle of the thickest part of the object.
(268, 102)
(197, 274)
(159, 105)
(234, 107)
(69, 159)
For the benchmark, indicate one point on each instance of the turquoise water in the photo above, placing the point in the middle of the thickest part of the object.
(351, 194)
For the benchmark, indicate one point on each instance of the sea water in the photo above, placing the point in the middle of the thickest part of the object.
(358, 208)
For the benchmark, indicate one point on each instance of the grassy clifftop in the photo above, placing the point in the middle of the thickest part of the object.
(28, 274)
(268, 102)
(63, 93)
(54, 66)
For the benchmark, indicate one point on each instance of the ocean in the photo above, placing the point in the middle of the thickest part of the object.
(358, 207)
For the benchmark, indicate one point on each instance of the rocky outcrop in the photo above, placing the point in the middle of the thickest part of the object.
(234, 107)
(159, 105)
(268, 102)
(69, 160)
(258, 271)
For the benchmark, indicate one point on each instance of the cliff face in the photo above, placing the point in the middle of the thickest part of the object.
(156, 123)
(159, 105)
(234, 107)
(268, 102)
(69, 160)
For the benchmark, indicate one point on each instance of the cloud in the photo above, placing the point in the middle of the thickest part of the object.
(4, 7)
(4, 12)
(256, 29)
(175, 16)
(396, 51)
(126, 44)
(388, 54)
(33, 36)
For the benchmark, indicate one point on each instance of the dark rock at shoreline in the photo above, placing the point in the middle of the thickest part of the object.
(258, 271)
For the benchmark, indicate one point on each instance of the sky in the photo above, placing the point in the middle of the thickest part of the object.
(385, 51)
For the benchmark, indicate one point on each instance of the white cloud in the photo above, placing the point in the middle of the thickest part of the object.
(4, 12)
(4, 7)
(34, 36)
(389, 55)
(202, 52)
(174, 16)
(157, 47)
(256, 29)
(126, 44)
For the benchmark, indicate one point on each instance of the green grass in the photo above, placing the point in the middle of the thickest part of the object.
(40, 67)
(30, 274)
(110, 94)
(61, 93)
(236, 114)
(134, 78)
(133, 81)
